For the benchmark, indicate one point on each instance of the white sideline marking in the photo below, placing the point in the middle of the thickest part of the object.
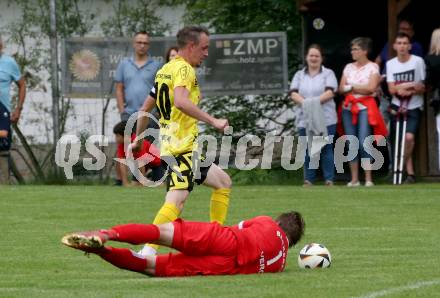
(417, 285)
(376, 229)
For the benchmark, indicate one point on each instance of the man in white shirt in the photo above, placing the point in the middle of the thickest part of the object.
(405, 78)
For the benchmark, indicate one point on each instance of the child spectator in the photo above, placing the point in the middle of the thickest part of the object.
(148, 154)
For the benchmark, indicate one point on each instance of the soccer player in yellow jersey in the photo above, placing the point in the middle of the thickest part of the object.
(176, 94)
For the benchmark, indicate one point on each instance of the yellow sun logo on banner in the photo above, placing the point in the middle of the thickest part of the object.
(84, 65)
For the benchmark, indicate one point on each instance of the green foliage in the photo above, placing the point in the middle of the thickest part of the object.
(129, 18)
(33, 27)
(30, 32)
(259, 114)
(278, 176)
(242, 16)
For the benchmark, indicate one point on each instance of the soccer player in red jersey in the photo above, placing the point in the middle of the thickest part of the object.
(257, 245)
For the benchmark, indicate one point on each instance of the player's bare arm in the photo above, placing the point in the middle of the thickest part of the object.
(182, 102)
(143, 120)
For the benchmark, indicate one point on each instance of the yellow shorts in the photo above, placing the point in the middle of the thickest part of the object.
(180, 174)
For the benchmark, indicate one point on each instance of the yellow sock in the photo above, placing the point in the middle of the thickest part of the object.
(219, 205)
(169, 212)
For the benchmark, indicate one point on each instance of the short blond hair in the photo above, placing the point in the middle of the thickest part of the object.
(190, 33)
(434, 48)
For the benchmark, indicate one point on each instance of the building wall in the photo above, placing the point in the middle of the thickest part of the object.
(85, 114)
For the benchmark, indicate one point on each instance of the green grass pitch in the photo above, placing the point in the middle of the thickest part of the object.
(385, 241)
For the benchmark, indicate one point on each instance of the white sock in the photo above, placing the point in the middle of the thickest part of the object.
(147, 251)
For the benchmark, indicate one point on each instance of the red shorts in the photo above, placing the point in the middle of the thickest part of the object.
(205, 249)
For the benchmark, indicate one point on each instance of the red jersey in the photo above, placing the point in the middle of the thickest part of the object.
(254, 246)
(261, 244)
(148, 152)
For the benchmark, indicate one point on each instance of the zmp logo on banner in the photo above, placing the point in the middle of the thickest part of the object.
(240, 47)
(249, 63)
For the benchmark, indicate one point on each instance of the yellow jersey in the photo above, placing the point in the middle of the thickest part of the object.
(178, 131)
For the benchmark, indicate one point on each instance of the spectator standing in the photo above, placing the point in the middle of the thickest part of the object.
(384, 96)
(148, 154)
(135, 77)
(9, 72)
(360, 114)
(313, 89)
(405, 78)
(407, 27)
(171, 53)
(432, 61)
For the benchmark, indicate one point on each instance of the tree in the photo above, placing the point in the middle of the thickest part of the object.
(242, 16)
(257, 114)
(130, 18)
(30, 33)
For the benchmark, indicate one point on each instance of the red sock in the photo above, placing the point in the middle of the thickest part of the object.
(136, 233)
(124, 259)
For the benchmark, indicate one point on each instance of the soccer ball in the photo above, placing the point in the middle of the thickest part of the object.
(314, 255)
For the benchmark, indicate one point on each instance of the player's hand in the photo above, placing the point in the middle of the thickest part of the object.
(220, 124)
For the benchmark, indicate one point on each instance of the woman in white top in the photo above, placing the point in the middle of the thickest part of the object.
(359, 82)
(316, 83)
